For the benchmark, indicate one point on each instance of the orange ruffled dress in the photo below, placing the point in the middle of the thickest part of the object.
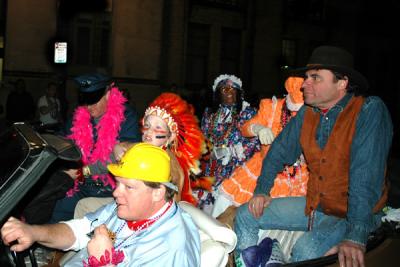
(292, 181)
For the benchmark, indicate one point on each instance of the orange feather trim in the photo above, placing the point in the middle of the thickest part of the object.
(205, 183)
(189, 143)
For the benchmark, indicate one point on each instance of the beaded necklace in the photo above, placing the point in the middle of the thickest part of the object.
(286, 115)
(227, 117)
(138, 226)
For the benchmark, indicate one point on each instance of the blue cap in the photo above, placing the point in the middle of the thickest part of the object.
(91, 87)
(92, 82)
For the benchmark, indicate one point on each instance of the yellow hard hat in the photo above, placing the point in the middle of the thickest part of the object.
(144, 162)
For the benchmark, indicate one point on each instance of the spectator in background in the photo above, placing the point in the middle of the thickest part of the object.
(20, 105)
(49, 107)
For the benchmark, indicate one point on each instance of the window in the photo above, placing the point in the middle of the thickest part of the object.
(305, 10)
(288, 53)
(91, 37)
(2, 34)
(230, 50)
(233, 5)
(3, 9)
(197, 55)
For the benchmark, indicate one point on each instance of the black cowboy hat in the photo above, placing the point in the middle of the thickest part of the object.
(335, 59)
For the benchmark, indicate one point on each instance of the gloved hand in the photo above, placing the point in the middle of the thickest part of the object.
(223, 153)
(239, 151)
(265, 134)
(227, 158)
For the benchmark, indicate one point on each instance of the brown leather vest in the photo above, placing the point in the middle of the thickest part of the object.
(329, 168)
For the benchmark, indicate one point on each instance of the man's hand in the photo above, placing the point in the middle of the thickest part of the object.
(257, 204)
(100, 242)
(119, 150)
(350, 254)
(265, 134)
(73, 173)
(15, 230)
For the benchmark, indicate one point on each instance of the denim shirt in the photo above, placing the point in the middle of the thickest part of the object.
(369, 152)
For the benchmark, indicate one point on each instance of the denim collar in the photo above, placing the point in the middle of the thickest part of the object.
(339, 106)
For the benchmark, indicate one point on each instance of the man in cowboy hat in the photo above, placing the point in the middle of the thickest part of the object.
(345, 138)
(142, 227)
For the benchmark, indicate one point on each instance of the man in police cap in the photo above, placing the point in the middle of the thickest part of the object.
(102, 119)
(143, 227)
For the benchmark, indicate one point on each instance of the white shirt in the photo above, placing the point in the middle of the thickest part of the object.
(52, 116)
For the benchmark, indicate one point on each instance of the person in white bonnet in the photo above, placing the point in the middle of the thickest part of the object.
(221, 124)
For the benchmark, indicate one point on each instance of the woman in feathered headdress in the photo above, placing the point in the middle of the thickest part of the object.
(169, 122)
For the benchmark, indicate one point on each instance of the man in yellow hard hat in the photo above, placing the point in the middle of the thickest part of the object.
(143, 227)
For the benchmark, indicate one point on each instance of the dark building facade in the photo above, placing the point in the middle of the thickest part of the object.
(153, 46)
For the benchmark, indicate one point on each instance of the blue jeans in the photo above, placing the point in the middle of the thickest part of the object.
(288, 214)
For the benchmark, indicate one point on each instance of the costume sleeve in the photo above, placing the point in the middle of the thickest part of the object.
(98, 167)
(205, 122)
(285, 150)
(80, 227)
(369, 152)
(260, 118)
(252, 144)
(130, 127)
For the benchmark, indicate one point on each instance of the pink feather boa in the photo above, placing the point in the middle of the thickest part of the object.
(107, 135)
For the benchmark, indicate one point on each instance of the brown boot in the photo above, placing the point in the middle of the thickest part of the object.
(55, 259)
(228, 216)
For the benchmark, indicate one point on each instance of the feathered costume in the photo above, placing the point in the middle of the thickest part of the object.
(189, 143)
(107, 135)
(275, 114)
